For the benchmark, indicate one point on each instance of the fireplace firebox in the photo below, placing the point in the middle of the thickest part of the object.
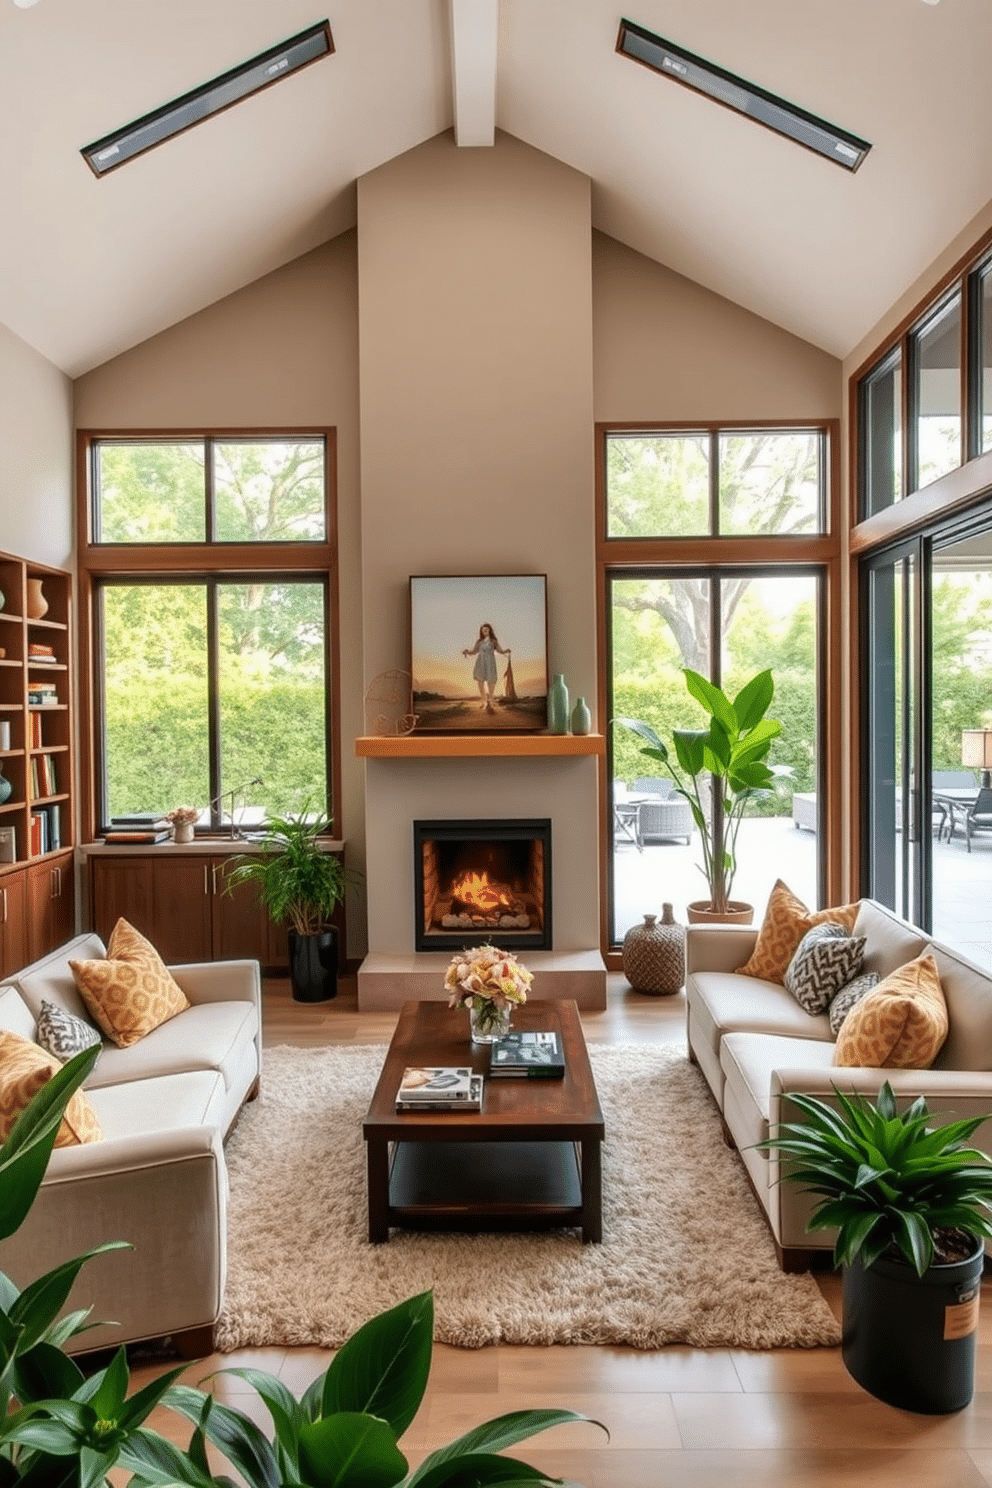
(477, 882)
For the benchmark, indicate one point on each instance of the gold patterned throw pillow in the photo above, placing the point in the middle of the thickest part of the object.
(24, 1070)
(900, 1024)
(132, 991)
(786, 922)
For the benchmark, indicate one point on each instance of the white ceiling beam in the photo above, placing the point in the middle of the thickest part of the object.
(474, 28)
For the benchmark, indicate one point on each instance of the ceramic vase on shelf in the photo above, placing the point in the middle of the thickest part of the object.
(6, 789)
(558, 705)
(488, 1021)
(37, 605)
(581, 717)
(654, 955)
(183, 832)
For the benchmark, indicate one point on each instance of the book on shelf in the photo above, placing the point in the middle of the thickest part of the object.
(145, 819)
(38, 650)
(137, 836)
(535, 1054)
(439, 1088)
(36, 731)
(39, 834)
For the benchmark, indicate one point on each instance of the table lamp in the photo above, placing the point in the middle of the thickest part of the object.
(976, 751)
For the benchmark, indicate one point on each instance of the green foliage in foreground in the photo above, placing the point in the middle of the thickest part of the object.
(62, 1429)
(884, 1178)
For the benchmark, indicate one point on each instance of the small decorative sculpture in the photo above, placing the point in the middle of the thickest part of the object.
(389, 704)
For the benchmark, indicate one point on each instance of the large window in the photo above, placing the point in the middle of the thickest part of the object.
(209, 571)
(678, 596)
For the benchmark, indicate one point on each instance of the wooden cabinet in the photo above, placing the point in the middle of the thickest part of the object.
(178, 901)
(50, 904)
(13, 923)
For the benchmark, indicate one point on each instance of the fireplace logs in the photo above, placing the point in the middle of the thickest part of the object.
(480, 880)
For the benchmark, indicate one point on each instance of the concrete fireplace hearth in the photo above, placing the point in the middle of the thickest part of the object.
(560, 783)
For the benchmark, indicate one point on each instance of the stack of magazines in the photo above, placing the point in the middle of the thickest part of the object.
(440, 1088)
(535, 1055)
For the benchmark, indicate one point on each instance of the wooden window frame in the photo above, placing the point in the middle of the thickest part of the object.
(819, 551)
(233, 561)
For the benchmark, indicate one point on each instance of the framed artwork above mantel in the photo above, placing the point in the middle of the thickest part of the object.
(479, 653)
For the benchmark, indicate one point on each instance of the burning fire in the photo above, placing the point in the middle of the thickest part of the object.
(475, 889)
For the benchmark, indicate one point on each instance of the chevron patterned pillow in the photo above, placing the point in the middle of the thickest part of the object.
(848, 996)
(826, 959)
(62, 1034)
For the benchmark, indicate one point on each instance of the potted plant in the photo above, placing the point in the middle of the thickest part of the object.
(725, 762)
(910, 1203)
(300, 883)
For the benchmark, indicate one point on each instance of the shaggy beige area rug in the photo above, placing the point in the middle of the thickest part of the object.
(686, 1254)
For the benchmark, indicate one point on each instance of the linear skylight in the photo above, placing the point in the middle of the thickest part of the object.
(220, 93)
(746, 98)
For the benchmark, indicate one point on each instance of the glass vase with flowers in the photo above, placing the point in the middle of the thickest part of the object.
(490, 983)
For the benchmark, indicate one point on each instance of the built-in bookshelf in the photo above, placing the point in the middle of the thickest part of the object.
(36, 754)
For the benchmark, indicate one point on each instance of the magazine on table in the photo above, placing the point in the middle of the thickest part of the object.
(536, 1054)
(439, 1088)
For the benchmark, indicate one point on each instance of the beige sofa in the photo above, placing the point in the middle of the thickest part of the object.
(157, 1179)
(756, 1046)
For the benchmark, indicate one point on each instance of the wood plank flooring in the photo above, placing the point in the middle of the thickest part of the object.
(696, 1418)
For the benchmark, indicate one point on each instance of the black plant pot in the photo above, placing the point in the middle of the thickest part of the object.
(313, 965)
(910, 1340)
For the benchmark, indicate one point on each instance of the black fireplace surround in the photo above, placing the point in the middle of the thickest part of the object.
(478, 882)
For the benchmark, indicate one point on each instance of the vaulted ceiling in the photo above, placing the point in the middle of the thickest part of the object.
(89, 267)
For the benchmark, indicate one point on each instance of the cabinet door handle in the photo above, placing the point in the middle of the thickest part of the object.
(58, 883)
(4, 892)
(213, 873)
(205, 888)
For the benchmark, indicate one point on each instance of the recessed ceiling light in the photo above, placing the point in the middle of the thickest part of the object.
(746, 98)
(210, 98)
(25, 4)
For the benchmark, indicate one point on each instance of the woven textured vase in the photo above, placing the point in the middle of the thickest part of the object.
(654, 954)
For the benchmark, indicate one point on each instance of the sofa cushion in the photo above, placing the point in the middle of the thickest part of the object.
(848, 997)
(968, 993)
(166, 1103)
(889, 941)
(747, 1060)
(901, 1024)
(62, 1035)
(208, 1036)
(825, 960)
(15, 1015)
(24, 1070)
(786, 922)
(132, 991)
(721, 1002)
(51, 980)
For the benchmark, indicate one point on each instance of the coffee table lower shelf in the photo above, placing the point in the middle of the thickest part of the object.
(481, 1186)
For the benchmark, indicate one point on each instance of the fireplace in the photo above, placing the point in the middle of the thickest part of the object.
(482, 881)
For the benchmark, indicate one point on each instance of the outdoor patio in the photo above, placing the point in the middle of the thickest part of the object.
(773, 847)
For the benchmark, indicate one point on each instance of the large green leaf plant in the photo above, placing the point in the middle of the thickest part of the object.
(732, 752)
(60, 1428)
(886, 1179)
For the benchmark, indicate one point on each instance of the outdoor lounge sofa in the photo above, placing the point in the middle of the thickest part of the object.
(157, 1178)
(757, 1046)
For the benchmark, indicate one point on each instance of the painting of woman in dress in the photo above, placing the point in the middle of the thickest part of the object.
(485, 651)
(506, 687)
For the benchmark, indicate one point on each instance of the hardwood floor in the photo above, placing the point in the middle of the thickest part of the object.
(696, 1418)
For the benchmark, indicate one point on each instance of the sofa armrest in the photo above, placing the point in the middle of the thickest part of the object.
(954, 1095)
(166, 1196)
(220, 981)
(119, 1156)
(718, 947)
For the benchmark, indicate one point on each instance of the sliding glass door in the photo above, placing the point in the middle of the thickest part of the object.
(727, 624)
(927, 714)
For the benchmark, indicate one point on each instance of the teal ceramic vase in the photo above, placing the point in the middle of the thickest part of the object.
(6, 789)
(581, 717)
(558, 705)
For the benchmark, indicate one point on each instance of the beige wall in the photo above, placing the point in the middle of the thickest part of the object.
(282, 352)
(667, 349)
(35, 455)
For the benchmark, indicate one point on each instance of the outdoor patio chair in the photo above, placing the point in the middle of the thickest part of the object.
(978, 818)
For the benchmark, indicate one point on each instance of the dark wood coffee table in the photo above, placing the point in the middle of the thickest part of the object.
(529, 1159)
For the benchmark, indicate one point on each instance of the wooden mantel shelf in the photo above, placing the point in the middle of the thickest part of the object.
(467, 746)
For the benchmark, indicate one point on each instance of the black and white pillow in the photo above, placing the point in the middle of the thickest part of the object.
(848, 996)
(62, 1034)
(826, 959)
